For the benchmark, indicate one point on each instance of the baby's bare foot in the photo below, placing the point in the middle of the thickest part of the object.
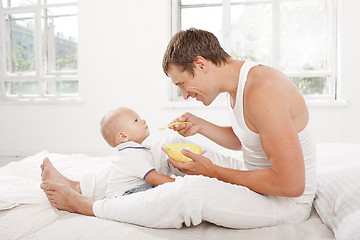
(50, 173)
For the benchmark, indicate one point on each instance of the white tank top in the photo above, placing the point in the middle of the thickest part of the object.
(253, 153)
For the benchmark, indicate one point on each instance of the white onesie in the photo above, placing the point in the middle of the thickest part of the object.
(128, 171)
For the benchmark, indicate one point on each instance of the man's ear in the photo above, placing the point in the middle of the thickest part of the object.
(201, 63)
(122, 137)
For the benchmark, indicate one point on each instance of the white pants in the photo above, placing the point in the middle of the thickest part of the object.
(192, 199)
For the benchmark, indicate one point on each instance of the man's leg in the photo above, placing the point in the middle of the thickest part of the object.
(191, 199)
(94, 186)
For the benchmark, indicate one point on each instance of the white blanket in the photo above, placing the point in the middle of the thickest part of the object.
(20, 181)
(34, 218)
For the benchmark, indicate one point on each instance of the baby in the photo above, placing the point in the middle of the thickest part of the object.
(133, 170)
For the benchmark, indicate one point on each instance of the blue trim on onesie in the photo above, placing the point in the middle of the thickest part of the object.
(133, 148)
(148, 173)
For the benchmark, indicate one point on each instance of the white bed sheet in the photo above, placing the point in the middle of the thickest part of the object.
(26, 214)
(44, 222)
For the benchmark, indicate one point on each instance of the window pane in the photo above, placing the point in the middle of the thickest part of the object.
(205, 18)
(20, 52)
(18, 3)
(21, 88)
(313, 85)
(67, 87)
(62, 32)
(61, 11)
(303, 36)
(251, 28)
(62, 87)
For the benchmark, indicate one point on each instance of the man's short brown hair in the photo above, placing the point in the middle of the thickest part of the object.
(185, 46)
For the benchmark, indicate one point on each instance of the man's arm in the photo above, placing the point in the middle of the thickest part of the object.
(274, 106)
(157, 179)
(268, 110)
(224, 136)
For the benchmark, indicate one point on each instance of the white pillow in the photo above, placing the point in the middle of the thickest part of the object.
(349, 227)
(338, 185)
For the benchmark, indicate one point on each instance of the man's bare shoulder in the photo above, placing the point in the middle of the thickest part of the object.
(265, 74)
(264, 81)
(270, 81)
(267, 89)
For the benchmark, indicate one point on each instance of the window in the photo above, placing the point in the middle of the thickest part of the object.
(298, 37)
(38, 50)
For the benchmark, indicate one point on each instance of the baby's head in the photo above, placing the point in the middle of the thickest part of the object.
(123, 125)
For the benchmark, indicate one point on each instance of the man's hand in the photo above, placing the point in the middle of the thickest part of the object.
(186, 129)
(199, 165)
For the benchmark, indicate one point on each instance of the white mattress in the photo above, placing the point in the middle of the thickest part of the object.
(42, 221)
(26, 214)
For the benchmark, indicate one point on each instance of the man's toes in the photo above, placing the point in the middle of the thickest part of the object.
(49, 192)
(47, 162)
(45, 174)
(50, 198)
(46, 185)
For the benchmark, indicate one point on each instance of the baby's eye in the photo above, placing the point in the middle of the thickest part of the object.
(136, 120)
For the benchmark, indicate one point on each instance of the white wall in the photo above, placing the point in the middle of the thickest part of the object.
(121, 44)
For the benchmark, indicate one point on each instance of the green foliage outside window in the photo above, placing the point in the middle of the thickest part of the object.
(67, 63)
(20, 60)
(306, 85)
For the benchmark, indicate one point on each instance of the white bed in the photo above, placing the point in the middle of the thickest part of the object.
(26, 214)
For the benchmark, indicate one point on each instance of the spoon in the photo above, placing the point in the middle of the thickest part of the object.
(177, 123)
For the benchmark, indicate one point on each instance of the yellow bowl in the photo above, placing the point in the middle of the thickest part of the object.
(174, 151)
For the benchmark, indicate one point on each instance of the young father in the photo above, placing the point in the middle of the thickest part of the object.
(269, 123)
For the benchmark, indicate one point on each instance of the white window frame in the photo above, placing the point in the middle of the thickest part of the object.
(41, 70)
(333, 99)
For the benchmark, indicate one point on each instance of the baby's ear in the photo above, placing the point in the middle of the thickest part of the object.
(122, 137)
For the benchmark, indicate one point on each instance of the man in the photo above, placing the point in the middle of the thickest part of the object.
(269, 123)
(272, 107)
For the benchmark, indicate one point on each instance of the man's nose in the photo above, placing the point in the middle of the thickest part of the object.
(185, 94)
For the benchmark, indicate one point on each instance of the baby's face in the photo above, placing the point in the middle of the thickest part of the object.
(135, 127)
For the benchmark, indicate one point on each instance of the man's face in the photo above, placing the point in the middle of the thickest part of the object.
(195, 86)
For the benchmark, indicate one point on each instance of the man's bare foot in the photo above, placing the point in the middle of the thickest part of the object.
(50, 173)
(65, 198)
